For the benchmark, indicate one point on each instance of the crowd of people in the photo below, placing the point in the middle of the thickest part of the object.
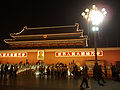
(7, 70)
(60, 71)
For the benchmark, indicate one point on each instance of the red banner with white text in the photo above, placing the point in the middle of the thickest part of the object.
(78, 53)
(13, 54)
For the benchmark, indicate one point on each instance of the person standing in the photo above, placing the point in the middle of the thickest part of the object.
(105, 69)
(6, 71)
(11, 71)
(2, 70)
(15, 70)
(95, 71)
(117, 72)
(85, 78)
(48, 71)
(113, 69)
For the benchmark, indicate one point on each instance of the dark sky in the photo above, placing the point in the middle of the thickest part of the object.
(15, 14)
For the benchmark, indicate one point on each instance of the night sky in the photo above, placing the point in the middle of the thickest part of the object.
(15, 14)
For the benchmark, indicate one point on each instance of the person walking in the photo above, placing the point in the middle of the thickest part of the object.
(100, 75)
(105, 69)
(85, 78)
(95, 71)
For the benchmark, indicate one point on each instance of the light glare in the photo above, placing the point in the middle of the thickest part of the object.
(86, 16)
(93, 6)
(83, 14)
(105, 13)
(86, 10)
(96, 17)
(103, 10)
(95, 28)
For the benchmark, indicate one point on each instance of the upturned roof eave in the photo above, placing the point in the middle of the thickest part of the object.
(40, 28)
(52, 35)
(12, 41)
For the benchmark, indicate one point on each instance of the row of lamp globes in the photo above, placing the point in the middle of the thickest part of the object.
(94, 16)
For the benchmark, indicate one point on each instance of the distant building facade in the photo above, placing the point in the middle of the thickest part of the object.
(81, 56)
(59, 44)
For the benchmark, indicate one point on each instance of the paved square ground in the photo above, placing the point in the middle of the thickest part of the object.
(35, 83)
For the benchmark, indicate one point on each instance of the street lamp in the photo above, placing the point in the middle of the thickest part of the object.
(94, 17)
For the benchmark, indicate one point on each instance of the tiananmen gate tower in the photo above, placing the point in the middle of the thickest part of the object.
(55, 44)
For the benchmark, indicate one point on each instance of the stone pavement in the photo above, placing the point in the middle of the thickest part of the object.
(30, 82)
(109, 85)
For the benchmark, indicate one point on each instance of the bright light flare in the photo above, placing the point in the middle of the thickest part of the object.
(83, 14)
(87, 10)
(86, 16)
(96, 17)
(104, 11)
(95, 28)
(93, 6)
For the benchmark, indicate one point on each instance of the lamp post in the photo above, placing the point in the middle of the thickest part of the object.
(94, 17)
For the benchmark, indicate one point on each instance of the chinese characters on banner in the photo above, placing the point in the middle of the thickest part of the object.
(78, 54)
(13, 54)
